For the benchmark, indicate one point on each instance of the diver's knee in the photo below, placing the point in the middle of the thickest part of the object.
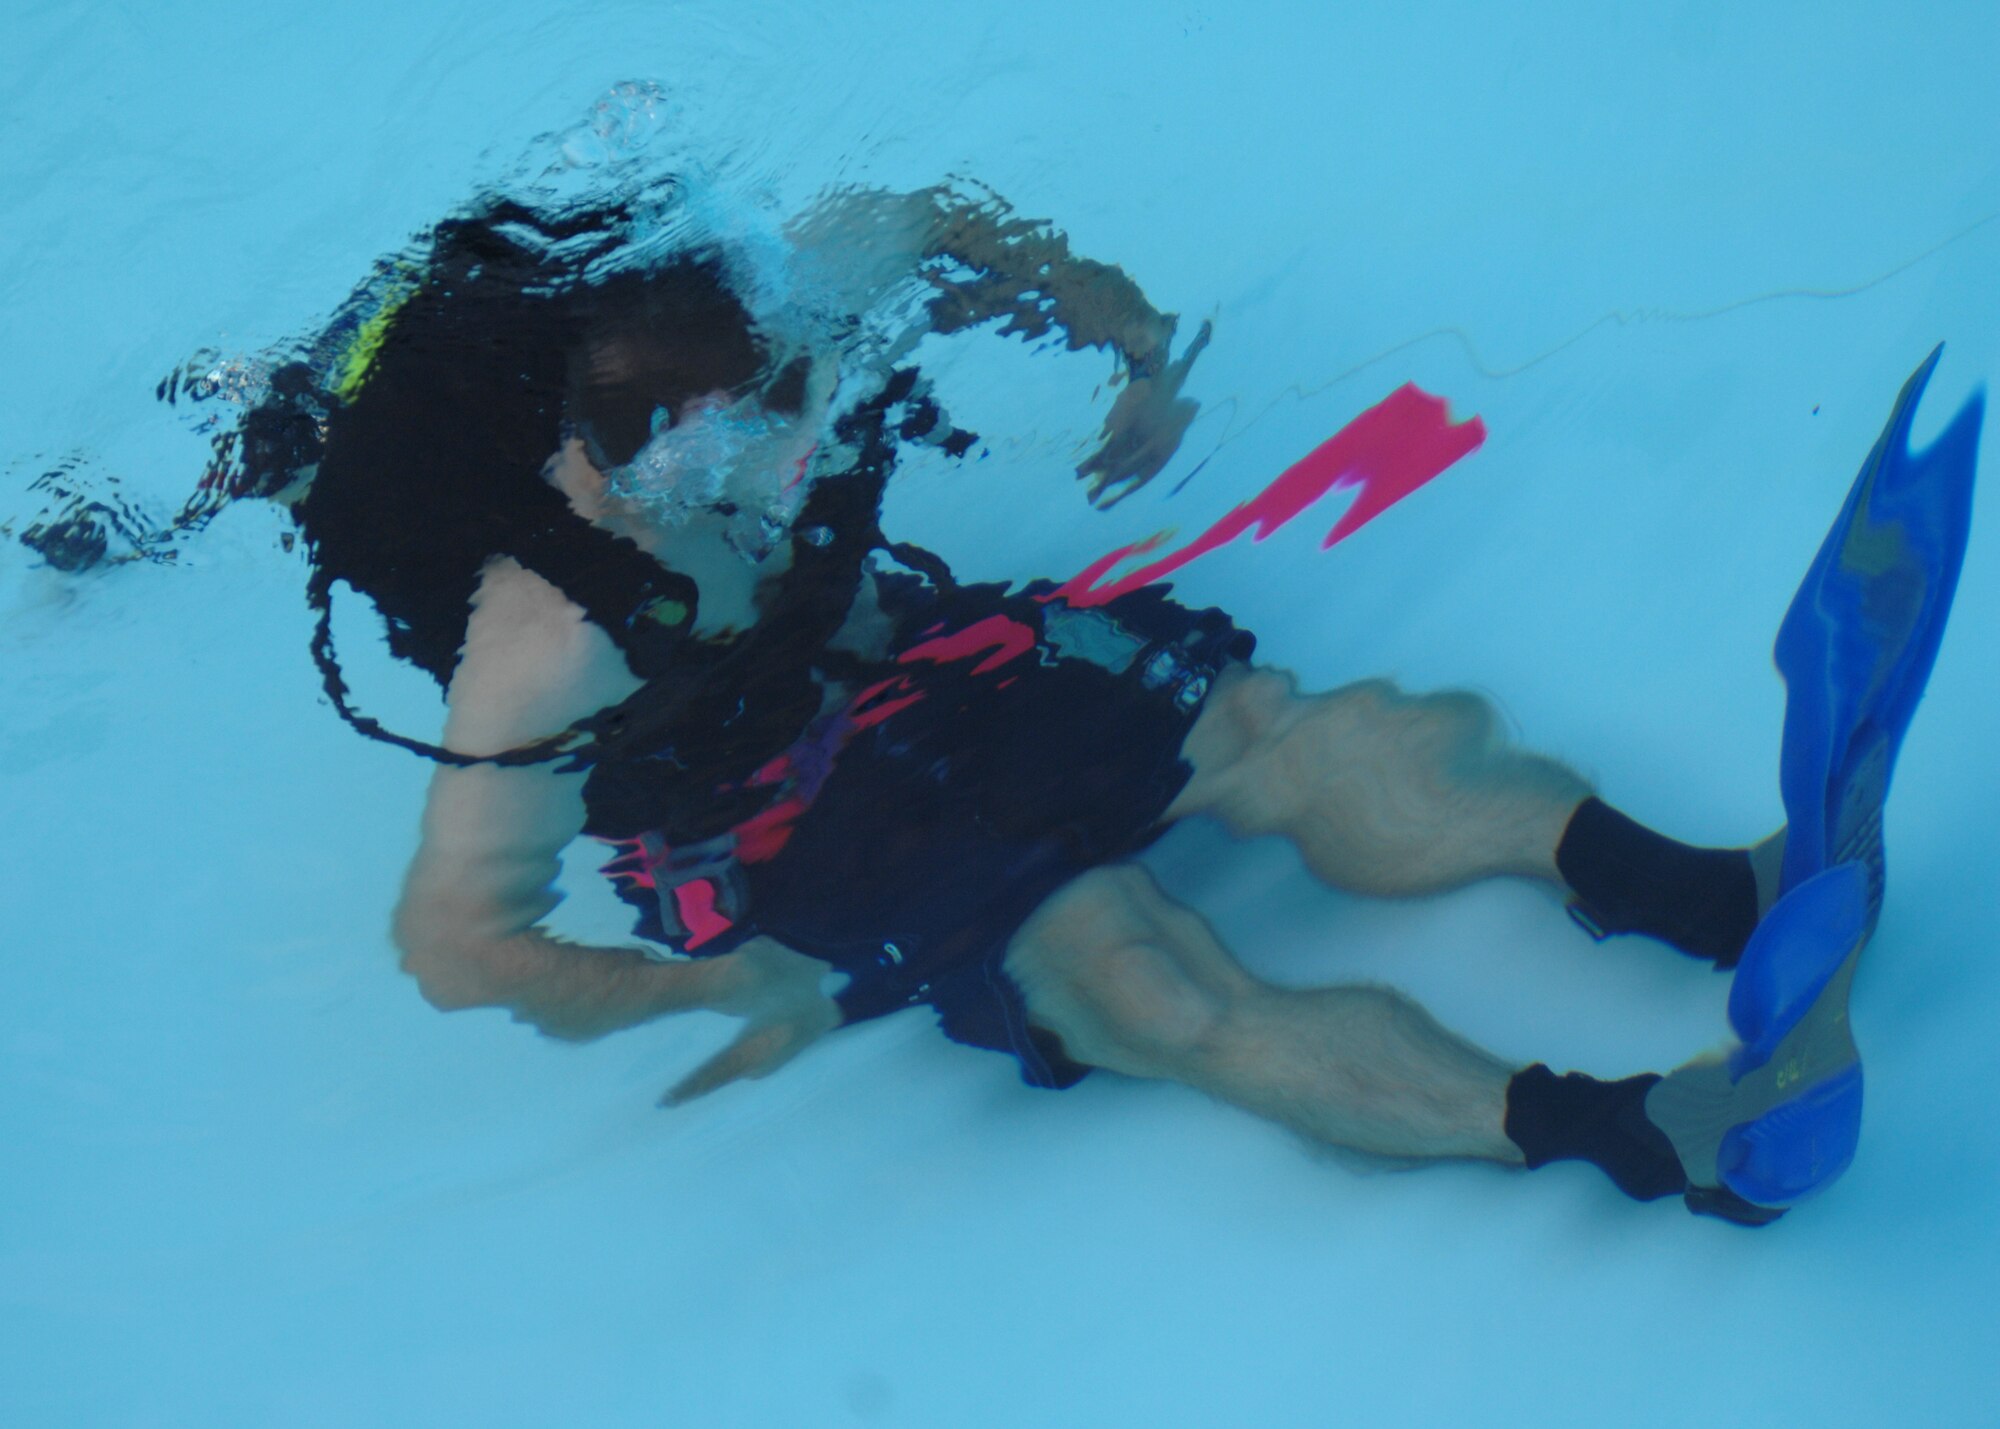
(1454, 721)
(1247, 713)
(1247, 707)
(1104, 906)
(1380, 708)
(1096, 968)
(1145, 998)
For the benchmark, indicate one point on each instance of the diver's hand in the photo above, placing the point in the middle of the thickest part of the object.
(778, 993)
(1144, 428)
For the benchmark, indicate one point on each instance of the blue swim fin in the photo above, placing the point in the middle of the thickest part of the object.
(1788, 1004)
(1862, 634)
(1780, 1119)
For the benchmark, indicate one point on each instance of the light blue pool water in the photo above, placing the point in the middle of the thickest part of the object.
(1679, 262)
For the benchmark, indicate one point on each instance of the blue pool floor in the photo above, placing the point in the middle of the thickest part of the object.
(1679, 266)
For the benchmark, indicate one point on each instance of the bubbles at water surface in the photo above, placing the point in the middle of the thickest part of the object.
(737, 459)
(620, 125)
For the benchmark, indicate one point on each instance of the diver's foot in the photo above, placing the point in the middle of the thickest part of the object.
(1625, 878)
(1778, 1118)
(1855, 649)
(1744, 1137)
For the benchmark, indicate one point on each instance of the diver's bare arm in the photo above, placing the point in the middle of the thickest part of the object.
(468, 929)
(468, 923)
(985, 263)
(482, 879)
(1024, 271)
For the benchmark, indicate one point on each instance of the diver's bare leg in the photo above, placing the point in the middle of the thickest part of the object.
(483, 877)
(1383, 792)
(1135, 983)
(1398, 795)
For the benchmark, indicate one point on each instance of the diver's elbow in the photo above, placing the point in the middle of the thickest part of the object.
(455, 966)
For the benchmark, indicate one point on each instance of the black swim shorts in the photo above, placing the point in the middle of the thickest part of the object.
(1009, 743)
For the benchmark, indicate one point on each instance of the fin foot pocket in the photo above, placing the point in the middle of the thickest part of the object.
(1797, 1073)
(1791, 959)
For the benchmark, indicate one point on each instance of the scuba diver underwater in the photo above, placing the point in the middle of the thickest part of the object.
(621, 498)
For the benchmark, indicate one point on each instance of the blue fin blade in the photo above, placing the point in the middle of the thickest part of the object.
(1859, 641)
